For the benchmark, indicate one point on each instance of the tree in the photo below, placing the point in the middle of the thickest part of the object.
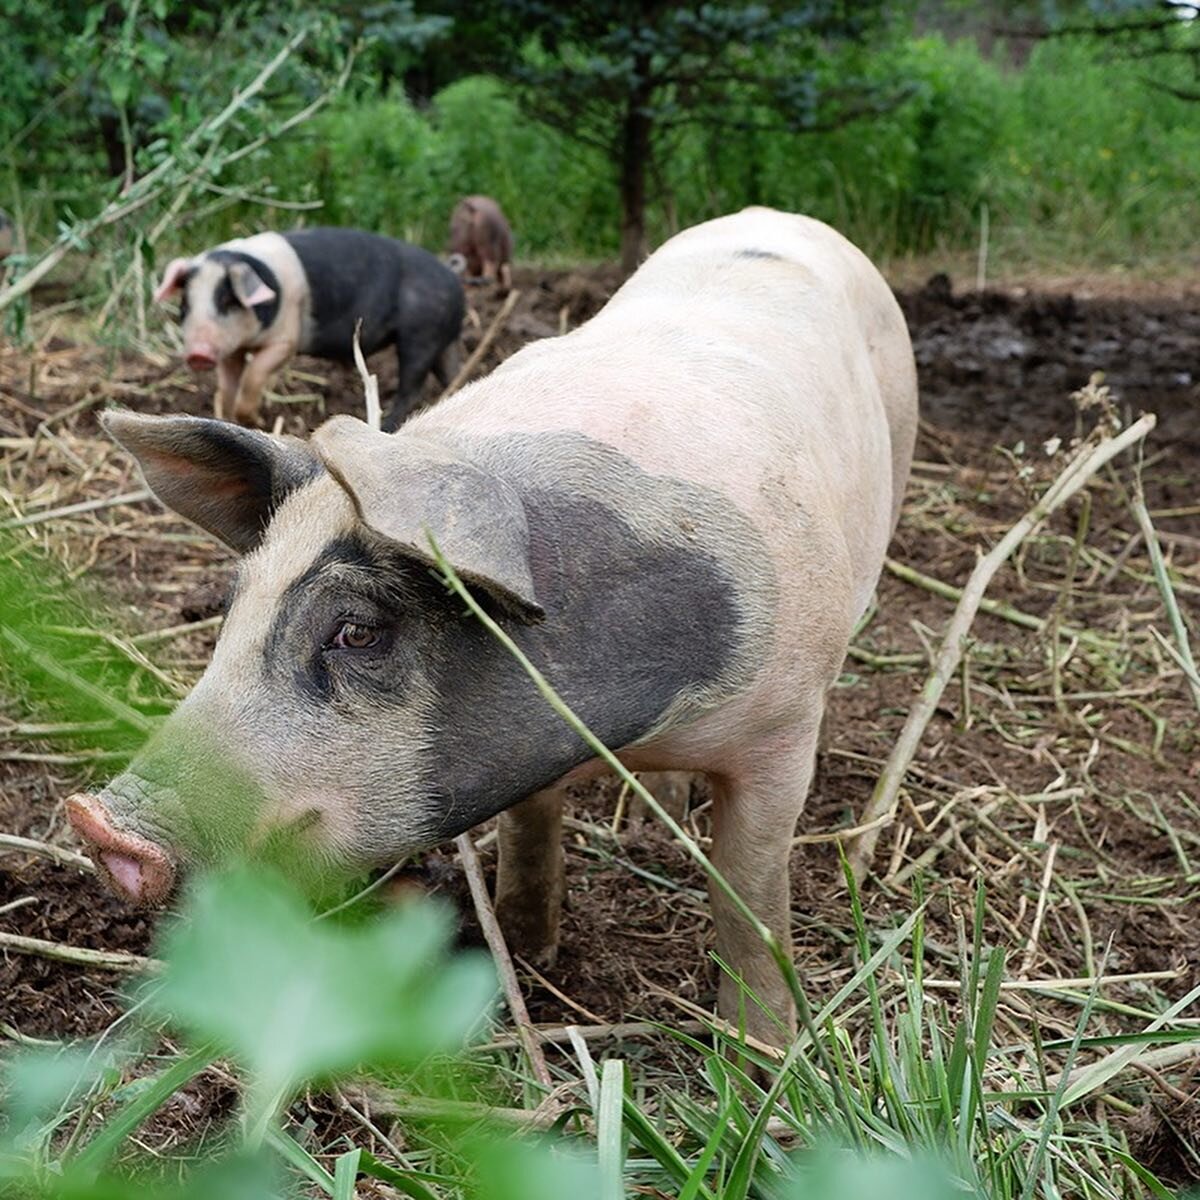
(623, 75)
(1165, 33)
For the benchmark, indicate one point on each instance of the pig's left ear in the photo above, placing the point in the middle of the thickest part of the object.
(226, 479)
(248, 285)
(406, 488)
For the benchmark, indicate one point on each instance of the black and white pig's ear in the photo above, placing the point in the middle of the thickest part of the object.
(406, 488)
(226, 479)
(249, 286)
(174, 277)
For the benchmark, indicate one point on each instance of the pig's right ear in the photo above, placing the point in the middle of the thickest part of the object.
(226, 479)
(173, 278)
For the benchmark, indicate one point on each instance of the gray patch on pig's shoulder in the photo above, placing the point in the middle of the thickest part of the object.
(750, 253)
(659, 598)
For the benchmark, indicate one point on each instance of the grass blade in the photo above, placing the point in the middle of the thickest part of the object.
(106, 1143)
(609, 1130)
(345, 1172)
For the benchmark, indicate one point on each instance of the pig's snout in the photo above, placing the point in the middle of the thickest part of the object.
(136, 869)
(202, 358)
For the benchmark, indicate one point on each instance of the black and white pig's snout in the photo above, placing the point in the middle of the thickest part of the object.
(134, 867)
(202, 357)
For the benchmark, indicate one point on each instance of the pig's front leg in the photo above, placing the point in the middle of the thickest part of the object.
(266, 360)
(530, 879)
(229, 378)
(755, 810)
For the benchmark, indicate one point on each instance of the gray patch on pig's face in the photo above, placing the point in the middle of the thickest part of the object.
(659, 599)
(751, 253)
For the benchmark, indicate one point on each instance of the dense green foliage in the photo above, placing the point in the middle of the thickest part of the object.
(1076, 157)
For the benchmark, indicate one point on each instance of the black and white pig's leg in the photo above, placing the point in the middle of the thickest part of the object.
(229, 379)
(416, 353)
(258, 370)
(755, 809)
(530, 880)
(446, 365)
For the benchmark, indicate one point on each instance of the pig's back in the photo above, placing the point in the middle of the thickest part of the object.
(356, 275)
(760, 355)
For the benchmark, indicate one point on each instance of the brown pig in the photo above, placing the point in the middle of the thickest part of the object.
(480, 234)
(678, 512)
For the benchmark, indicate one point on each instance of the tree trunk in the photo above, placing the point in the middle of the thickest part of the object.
(635, 157)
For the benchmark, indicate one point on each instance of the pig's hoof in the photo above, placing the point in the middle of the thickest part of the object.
(529, 932)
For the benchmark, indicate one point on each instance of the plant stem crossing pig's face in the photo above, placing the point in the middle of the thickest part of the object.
(312, 724)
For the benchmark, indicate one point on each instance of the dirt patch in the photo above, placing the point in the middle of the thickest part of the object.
(1086, 749)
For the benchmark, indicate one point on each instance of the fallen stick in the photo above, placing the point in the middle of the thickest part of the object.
(23, 845)
(1060, 985)
(111, 960)
(477, 354)
(504, 964)
(886, 796)
(557, 1034)
(995, 608)
(83, 506)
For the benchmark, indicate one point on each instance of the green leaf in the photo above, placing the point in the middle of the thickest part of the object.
(608, 1129)
(292, 1000)
(508, 1170)
(345, 1172)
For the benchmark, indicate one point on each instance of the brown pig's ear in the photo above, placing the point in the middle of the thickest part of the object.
(226, 479)
(406, 488)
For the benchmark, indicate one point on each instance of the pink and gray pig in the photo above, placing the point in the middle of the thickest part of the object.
(678, 512)
(248, 305)
(481, 242)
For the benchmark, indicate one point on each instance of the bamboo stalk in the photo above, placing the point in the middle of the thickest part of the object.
(885, 797)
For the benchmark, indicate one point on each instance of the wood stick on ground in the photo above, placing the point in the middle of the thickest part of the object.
(1039, 914)
(886, 795)
(1061, 985)
(557, 1034)
(23, 845)
(83, 506)
(464, 372)
(111, 960)
(504, 964)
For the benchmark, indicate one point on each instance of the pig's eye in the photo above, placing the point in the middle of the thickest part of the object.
(353, 636)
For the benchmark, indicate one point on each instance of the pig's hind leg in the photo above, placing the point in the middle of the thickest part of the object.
(416, 357)
(530, 879)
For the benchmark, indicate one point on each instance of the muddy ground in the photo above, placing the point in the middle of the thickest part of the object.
(1086, 756)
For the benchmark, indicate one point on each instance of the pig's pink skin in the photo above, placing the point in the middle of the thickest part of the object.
(137, 870)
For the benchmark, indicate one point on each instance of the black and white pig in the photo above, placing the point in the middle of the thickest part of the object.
(248, 305)
(678, 511)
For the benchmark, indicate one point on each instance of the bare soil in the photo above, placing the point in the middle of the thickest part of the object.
(1089, 754)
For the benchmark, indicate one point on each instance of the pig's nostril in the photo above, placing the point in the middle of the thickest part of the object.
(137, 869)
